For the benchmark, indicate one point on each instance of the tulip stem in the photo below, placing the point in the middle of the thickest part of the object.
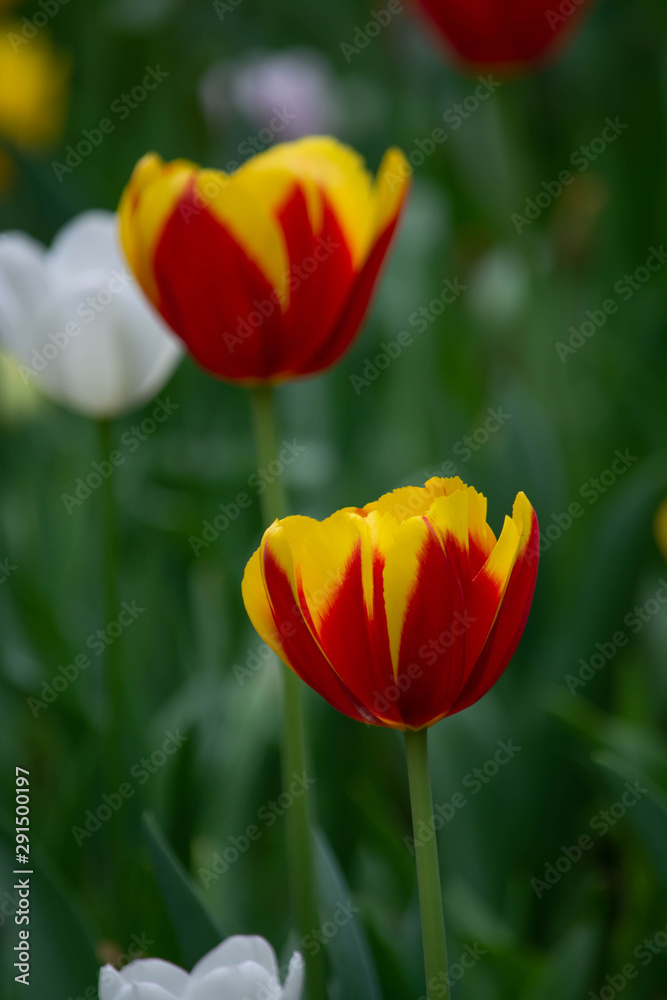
(428, 870)
(294, 751)
(113, 681)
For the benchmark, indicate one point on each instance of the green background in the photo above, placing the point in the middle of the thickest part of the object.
(184, 657)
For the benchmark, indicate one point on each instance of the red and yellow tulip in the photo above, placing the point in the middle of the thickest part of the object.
(401, 612)
(504, 33)
(265, 273)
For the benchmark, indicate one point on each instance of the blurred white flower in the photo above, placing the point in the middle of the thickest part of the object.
(296, 89)
(77, 323)
(241, 968)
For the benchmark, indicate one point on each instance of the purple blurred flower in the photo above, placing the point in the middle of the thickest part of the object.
(299, 83)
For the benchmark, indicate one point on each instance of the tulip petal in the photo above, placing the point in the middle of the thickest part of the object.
(110, 983)
(295, 978)
(247, 981)
(196, 257)
(335, 574)
(158, 972)
(388, 205)
(302, 651)
(514, 608)
(331, 174)
(235, 950)
(147, 991)
(91, 236)
(236, 203)
(321, 275)
(425, 605)
(23, 284)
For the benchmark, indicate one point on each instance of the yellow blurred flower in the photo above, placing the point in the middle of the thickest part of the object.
(33, 91)
(660, 528)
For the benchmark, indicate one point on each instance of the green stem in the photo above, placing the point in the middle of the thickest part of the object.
(294, 754)
(428, 871)
(113, 680)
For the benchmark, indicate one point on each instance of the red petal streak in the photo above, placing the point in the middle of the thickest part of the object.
(509, 625)
(209, 287)
(320, 278)
(432, 650)
(346, 636)
(301, 650)
(357, 305)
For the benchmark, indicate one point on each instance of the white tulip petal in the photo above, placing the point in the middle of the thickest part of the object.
(235, 950)
(23, 286)
(147, 991)
(89, 240)
(82, 363)
(75, 317)
(295, 978)
(155, 354)
(247, 981)
(110, 984)
(154, 970)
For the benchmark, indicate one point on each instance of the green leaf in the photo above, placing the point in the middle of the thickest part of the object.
(569, 970)
(649, 815)
(347, 946)
(63, 962)
(196, 929)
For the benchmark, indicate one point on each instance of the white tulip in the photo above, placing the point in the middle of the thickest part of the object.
(241, 968)
(77, 323)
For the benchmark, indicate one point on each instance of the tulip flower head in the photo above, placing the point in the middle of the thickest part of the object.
(75, 320)
(241, 967)
(503, 33)
(265, 273)
(401, 612)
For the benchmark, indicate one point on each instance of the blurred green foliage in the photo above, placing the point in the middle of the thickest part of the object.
(190, 658)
